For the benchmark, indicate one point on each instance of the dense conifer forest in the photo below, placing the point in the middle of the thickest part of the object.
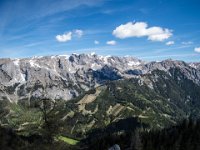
(183, 136)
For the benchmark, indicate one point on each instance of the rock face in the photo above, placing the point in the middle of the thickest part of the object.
(115, 147)
(65, 77)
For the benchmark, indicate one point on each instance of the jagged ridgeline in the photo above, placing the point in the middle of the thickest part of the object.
(66, 77)
(90, 95)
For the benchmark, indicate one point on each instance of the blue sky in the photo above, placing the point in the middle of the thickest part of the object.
(147, 29)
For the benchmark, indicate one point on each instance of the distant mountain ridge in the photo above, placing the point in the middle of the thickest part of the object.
(67, 76)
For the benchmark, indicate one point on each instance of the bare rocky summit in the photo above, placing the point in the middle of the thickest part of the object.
(65, 77)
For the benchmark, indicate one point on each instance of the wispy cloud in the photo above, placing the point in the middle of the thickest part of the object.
(187, 43)
(160, 50)
(34, 14)
(78, 33)
(33, 44)
(96, 42)
(167, 56)
(169, 43)
(197, 49)
(144, 10)
(54, 7)
(112, 42)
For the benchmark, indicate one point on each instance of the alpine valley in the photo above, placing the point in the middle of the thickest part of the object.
(87, 101)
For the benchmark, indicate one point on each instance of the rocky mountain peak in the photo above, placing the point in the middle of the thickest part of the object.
(66, 76)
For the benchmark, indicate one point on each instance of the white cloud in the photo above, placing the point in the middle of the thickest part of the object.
(140, 29)
(170, 43)
(197, 49)
(96, 42)
(78, 33)
(68, 35)
(111, 42)
(65, 37)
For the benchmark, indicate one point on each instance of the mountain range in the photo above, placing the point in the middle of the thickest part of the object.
(65, 77)
(95, 96)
